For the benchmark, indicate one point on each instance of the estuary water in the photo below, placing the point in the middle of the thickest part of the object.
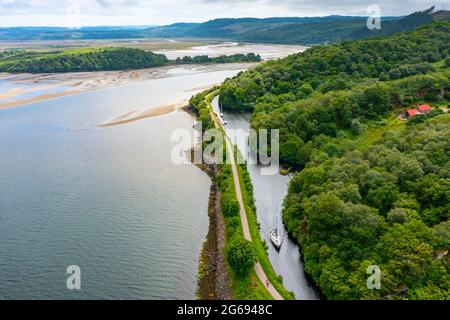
(108, 200)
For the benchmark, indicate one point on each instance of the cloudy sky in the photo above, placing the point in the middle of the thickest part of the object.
(158, 12)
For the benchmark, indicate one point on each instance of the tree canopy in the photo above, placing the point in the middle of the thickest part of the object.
(370, 189)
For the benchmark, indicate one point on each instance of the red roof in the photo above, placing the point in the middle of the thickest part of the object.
(424, 107)
(412, 112)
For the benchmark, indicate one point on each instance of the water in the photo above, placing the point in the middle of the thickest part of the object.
(266, 51)
(107, 200)
(269, 192)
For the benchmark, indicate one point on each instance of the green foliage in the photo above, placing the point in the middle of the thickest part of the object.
(339, 66)
(199, 104)
(410, 70)
(372, 190)
(86, 60)
(250, 57)
(83, 60)
(241, 255)
(388, 205)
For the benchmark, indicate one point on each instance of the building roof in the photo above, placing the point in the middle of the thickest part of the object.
(424, 107)
(412, 112)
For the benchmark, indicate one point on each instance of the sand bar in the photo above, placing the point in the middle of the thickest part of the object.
(80, 82)
(142, 114)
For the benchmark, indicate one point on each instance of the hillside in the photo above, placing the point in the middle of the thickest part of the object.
(284, 30)
(60, 33)
(270, 30)
(297, 30)
(370, 189)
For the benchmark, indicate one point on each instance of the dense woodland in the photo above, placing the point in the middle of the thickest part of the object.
(384, 204)
(83, 60)
(250, 57)
(109, 59)
(370, 189)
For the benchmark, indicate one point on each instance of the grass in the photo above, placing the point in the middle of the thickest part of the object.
(375, 133)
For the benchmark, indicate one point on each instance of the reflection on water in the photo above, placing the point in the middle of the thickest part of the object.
(269, 192)
(108, 200)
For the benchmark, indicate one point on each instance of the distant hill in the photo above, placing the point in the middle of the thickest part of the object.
(58, 33)
(405, 24)
(315, 30)
(270, 30)
(283, 30)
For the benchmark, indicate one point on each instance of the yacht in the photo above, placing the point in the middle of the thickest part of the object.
(276, 239)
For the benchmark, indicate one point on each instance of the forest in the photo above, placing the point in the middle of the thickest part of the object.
(368, 188)
(82, 60)
(244, 58)
(108, 59)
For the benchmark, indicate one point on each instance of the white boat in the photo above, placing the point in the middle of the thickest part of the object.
(276, 239)
(221, 120)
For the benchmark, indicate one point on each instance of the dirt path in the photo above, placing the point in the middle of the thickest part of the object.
(244, 221)
(258, 269)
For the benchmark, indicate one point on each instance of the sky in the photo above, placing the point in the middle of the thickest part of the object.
(75, 13)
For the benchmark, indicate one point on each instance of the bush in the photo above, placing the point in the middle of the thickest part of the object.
(230, 205)
(241, 255)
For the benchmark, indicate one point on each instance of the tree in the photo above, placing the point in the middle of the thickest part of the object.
(241, 255)
(356, 126)
(290, 151)
(383, 197)
(230, 205)
(397, 215)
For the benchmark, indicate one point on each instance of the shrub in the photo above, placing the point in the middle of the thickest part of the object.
(241, 255)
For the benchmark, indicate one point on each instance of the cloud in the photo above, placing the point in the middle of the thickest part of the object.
(168, 11)
(333, 7)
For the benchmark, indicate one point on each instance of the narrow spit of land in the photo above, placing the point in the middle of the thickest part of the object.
(243, 215)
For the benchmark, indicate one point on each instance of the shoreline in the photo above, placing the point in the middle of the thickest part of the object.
(214, 281)
(44, 97)
(82, 82)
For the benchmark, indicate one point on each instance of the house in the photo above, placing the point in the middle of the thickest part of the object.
(411, 113)
(424, 108)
